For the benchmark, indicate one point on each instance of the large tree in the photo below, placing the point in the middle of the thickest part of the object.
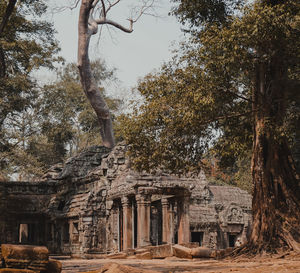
(92, 14)
(236, 81)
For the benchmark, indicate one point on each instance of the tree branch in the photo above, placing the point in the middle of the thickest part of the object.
(103, 21)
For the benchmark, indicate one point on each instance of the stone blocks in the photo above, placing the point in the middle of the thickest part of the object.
(182, 252)
(25, 257)
(28, 259)
(160, 251)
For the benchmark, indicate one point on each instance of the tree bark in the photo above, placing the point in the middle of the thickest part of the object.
(8, 12)
(85, 31)
(276, 196)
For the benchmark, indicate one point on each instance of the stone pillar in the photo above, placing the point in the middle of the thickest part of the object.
(143, 220)
(127, 223)
(166, 222)
(183, 206)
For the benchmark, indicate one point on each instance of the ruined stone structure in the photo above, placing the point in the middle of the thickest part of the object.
(97, 204)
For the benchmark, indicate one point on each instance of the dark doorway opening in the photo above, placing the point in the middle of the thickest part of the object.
(197, 237)
(231, 239)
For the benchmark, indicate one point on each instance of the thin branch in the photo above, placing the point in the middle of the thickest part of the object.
(63, 8)
(143, 10)
(103, 9)
(103, 21)
(237, 95)
(111, 5)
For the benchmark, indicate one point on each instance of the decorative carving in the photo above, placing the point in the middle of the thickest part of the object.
(235, 215)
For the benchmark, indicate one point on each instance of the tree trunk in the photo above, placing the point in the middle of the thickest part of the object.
(276, 197)
(8, 12)
(87, 80)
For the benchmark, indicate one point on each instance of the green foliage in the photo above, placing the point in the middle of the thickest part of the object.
(59, 123)
(202, 101)
(26, 44)
(196, 13)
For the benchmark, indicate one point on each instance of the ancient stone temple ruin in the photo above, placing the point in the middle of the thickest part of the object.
(97, 204)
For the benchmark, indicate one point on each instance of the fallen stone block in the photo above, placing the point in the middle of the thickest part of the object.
(182, 252)
(140, 250)
(53, 266)
(117, 256)
(25, 257)
(132, 257)
(161, 251)
(144, 256)
(190, 244)
(201, 252)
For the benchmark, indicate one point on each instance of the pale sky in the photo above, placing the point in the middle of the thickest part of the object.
(135, 54)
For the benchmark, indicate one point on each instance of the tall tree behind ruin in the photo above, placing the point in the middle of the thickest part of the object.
(240, 67)
(89, 20)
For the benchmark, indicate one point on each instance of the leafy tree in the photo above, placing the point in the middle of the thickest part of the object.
(26, 43)
(235, 82)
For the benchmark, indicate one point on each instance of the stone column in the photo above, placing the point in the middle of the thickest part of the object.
(183, 206)
(127, 223)
(143, 220)
(166, 222)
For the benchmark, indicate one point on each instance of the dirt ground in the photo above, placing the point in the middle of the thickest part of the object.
(288, 263)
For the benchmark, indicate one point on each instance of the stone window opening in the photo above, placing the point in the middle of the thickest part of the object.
(75, 232)
(75, 228)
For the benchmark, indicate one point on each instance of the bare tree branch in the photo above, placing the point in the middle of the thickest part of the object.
(111, 5)
(73, 6)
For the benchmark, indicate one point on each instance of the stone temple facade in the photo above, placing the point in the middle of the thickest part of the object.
(97, 204)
